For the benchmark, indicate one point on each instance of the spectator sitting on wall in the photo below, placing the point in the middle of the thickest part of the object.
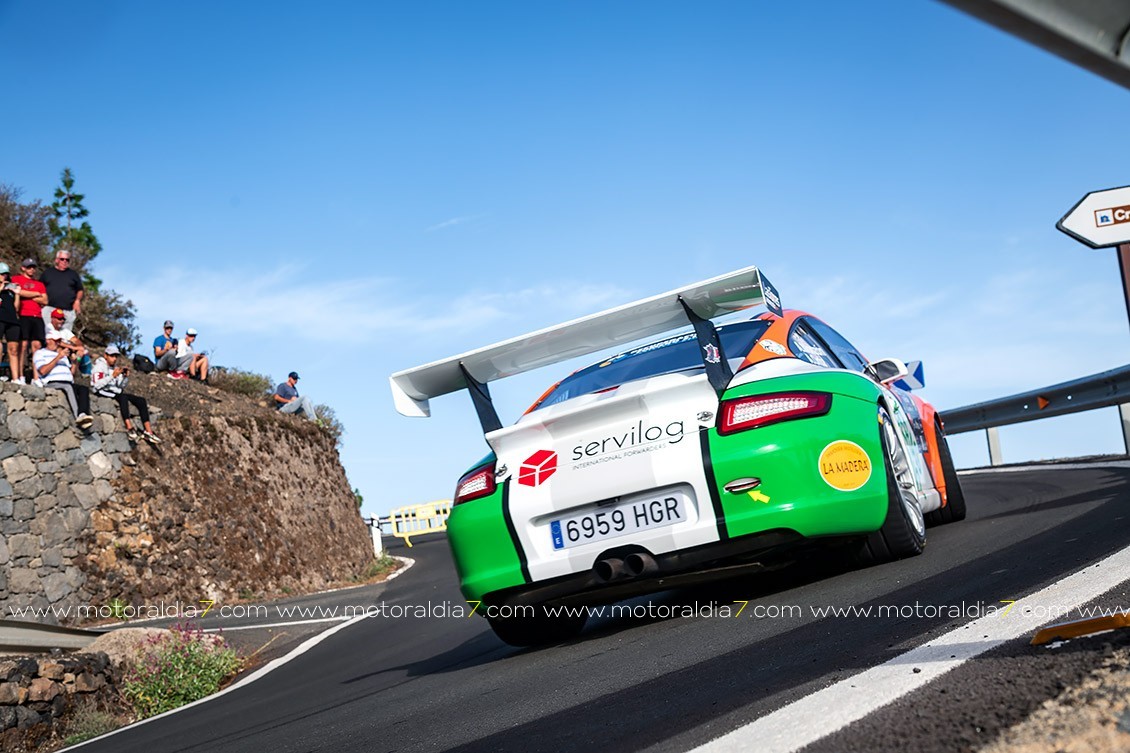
(81, 357)
(109, 380)
(32, 295)
(165, 349)
(10, 320)
(55, 369)
(64, 289)
(190, 364)
(288, 400)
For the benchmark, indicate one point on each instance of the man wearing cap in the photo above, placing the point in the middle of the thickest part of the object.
(109, 380)
(288, 400)
(189, 362)
(31, 297)
(165, 349)
(10, 320)
(55, 370)
(79, 356)
(64, 289)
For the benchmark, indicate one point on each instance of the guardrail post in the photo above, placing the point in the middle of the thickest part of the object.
(375, 530)
(1124, 413)
(994, 438)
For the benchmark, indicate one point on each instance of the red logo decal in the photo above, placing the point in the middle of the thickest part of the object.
(537, 468)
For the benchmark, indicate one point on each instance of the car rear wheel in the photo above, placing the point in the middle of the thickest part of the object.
(904, 531)
(537, 628)
(955, 498)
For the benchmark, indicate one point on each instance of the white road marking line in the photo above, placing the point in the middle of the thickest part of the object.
(263, 671)
(230, 628)
(818, 715)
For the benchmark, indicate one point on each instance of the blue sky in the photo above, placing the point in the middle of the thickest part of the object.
(349, 189)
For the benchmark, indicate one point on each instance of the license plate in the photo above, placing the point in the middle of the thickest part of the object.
(625, 517)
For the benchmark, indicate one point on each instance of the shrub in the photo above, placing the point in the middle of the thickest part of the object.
(178, 667)
(88, 720)
(239, 381)
(327, 422)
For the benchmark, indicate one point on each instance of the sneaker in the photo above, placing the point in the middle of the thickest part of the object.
(21, 380)
(84, 420)
(132, 434)
(177, 375)
(152, 438)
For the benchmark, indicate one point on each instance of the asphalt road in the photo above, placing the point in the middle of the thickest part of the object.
(442, 683)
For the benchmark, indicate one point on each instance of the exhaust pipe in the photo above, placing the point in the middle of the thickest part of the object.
(639, 564)
(610, 569)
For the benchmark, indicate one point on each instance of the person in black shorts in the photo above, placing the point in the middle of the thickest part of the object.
(10, 320)
(32, 296)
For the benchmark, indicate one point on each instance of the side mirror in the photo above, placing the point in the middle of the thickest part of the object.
(888, 370)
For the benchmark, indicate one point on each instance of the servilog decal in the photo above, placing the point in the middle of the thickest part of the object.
(537, 468)
(640, 437)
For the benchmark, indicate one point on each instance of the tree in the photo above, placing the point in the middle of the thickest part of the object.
(81, 240)
(25, 229)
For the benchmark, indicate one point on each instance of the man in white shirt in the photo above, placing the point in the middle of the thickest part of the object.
(190, 364)
(55, 369)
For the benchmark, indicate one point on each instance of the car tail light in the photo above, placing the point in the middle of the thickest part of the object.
(752, 412)
(477, 483)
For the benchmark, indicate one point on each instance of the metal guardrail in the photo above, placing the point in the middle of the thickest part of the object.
(1101, 390)
(18, 635)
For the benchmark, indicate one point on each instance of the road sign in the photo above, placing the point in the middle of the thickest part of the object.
(1101, 219)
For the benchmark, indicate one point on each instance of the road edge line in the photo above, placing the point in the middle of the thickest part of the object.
(831, 709)
(263, 671)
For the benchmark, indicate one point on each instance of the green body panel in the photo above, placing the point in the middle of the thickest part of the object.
(484, 553)
(786, 457)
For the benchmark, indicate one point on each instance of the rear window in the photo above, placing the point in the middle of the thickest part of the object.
(678, 353)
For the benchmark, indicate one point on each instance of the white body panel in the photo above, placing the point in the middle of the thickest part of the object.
(638, 437)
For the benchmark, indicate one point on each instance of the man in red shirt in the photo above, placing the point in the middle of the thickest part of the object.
(31, 297)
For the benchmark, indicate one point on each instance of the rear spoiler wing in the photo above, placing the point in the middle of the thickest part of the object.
(696, 304)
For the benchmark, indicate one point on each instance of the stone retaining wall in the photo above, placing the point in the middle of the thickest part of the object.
(36, 693)
(52, 476)
(229, 506)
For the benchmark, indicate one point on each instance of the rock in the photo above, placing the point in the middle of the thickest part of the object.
(78, 474)
(5, 488)
(37, 410)
(32, 392)
(51, 669)
(49, 427)
(124, 645)
(23, 580)
(57, 586)
(5, 555)
(23, 509)
(22, 426)
(67, 440)
(17, 468)
(49, 466)
(86, 495)
(102, 490)
(9, 693)
(24, 545)
(88, 683)
(8, 717)
(29, 488)
(53, 528)
(25, 717)
(100, 465)
(90, 444)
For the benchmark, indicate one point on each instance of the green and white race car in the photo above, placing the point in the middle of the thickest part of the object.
(731, 444)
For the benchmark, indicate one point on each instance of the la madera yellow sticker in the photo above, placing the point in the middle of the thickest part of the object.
(845, 465)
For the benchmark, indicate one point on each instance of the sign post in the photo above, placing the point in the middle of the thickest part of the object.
(1101, 219)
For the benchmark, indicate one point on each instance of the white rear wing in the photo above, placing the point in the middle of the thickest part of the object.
(745, 288)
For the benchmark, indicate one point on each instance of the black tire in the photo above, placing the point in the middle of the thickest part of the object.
(538, 629)
(904, 531)
(955, 497)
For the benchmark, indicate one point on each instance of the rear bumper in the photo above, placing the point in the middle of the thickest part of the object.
(683, 567)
